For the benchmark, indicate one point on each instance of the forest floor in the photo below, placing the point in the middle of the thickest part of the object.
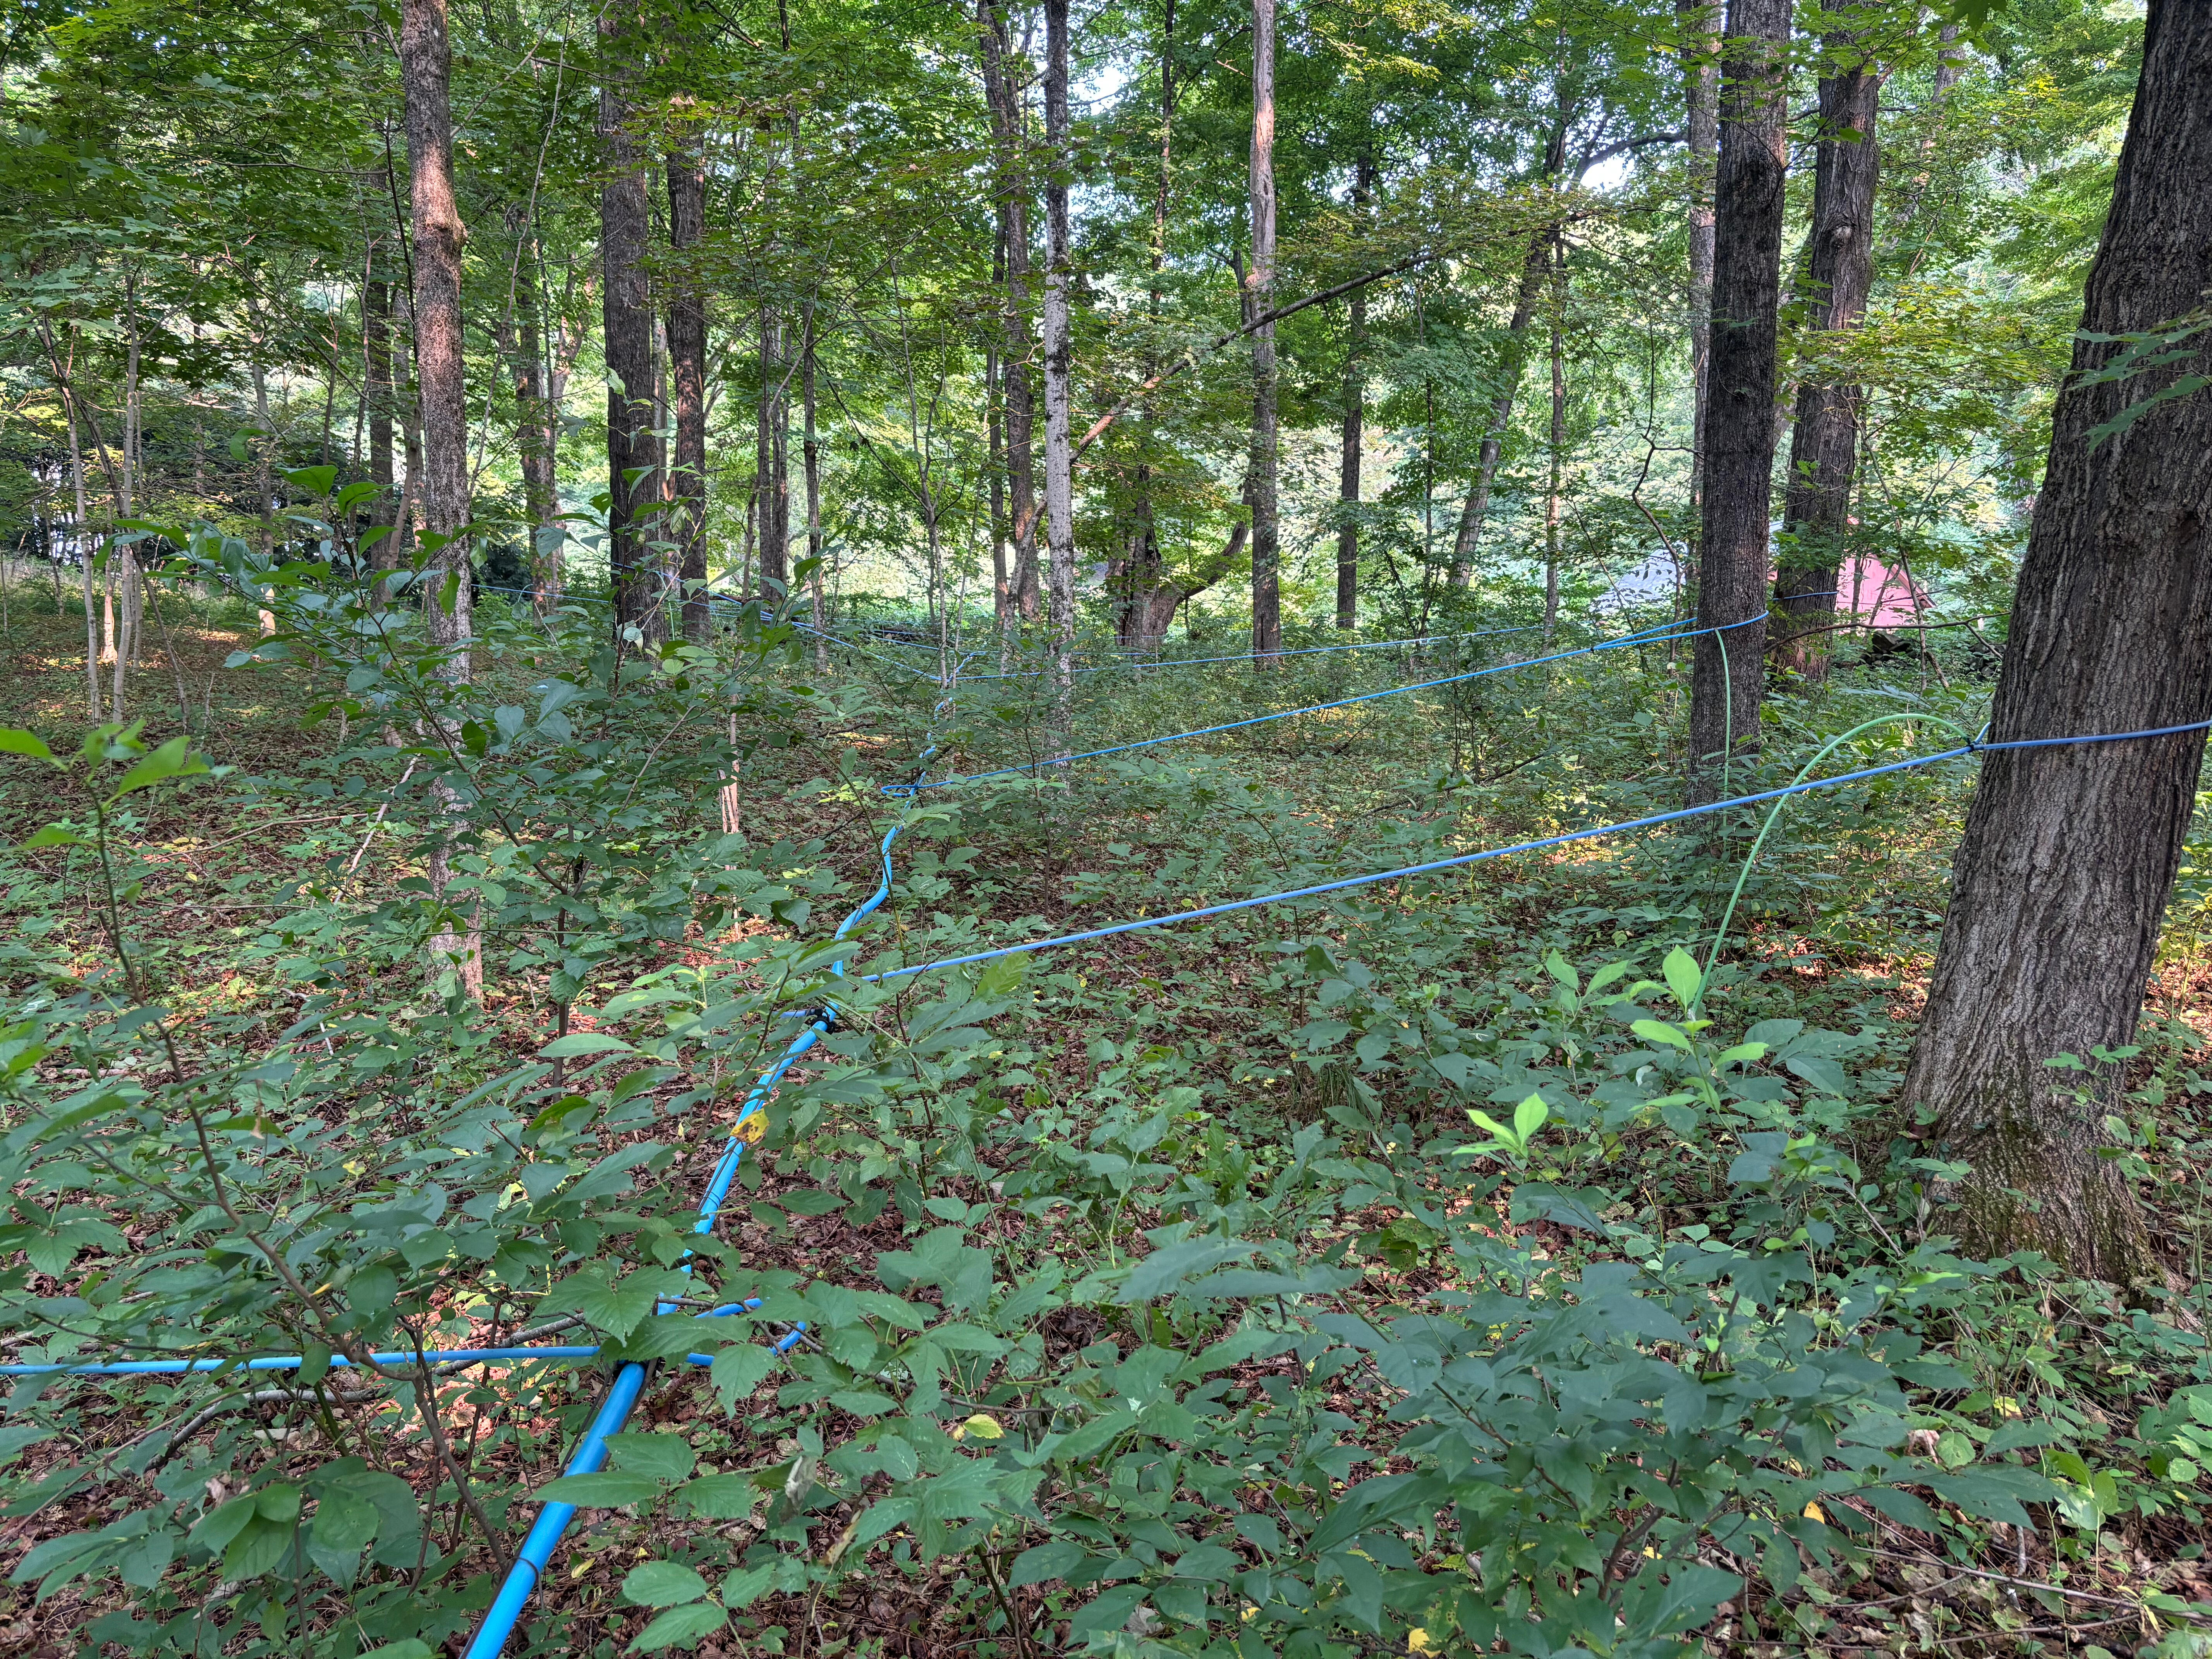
(1132, 1080)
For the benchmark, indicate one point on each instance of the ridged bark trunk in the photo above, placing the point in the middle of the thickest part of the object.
(2069, 853)
(1259, 296)
(633, 460)
(442, 498)
(1726, 675)
(1824, 446)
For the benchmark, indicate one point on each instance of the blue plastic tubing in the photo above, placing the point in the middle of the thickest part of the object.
(545, 1532)
(1590, 834)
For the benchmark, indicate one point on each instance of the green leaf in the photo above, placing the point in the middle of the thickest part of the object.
(13, 742)
(667, 1458)
(1684, 976)
(739, 1370)
(583, 1042)
(663, 1584)
(173, 759)
(603, 1491)
(344, 1522)
(214, 1529)
(686, 1623)
(1657, 1031)
(1529, 1115)
(718, 1497)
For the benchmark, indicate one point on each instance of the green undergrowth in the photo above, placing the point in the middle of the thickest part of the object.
(1450, 1265)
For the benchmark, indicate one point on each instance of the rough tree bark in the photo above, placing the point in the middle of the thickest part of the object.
(1012, 191)
(442, 497)
(1726, 675)
(687, 366)
(1700, 24)
(1838, 272)
(1259, 296)
(633, 461)
(1059, 364)
(2069, 853)
(1355, 400)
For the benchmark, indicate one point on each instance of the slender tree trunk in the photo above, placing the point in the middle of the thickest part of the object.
(1728, 677)
(443, 499)
(1950, 66)
(687, 362)
(1355, 400)
(634, 484)
(1058, 366)
(1554, 499)
(994, 414)
(1148, 597)
(535, 428)
(1012, 191)
(809, 453)
(1259, 296)
(1839, 271)
(376, 353)
(411, 431)
(774, 464)
(1700, 24)
(1492, 449)
(2069, 853)
(83, 541)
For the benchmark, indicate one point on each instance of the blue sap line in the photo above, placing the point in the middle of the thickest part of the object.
(1975, 747)
(1649, 636)
(545, 1532)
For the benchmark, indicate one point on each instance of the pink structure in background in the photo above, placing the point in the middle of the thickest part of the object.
(1878, 596)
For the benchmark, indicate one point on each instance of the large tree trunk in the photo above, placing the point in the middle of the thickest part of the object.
(442, 497)
(536, 429)
(1012, 192)
(634, 462)
(1059, 364)
(2069, 853)
(1259, 295)
(1727, 677)
(687, 365)
(1355, 400)
(1838, 272)
(1700, 24)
